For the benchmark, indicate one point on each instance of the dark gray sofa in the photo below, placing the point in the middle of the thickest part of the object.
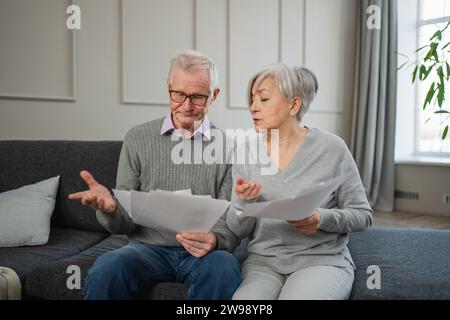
(414, 264)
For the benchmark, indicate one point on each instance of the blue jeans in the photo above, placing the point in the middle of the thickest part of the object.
(129, 272)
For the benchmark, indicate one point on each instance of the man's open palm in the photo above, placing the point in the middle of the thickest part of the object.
(97, 197)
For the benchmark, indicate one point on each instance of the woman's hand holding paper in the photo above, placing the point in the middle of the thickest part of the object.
(309, 225)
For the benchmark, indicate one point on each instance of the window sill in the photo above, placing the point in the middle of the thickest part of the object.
(424, 161)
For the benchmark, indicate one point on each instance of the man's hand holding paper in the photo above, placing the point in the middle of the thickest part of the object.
(198, 243)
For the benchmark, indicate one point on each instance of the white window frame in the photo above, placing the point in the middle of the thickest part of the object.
(421, 23)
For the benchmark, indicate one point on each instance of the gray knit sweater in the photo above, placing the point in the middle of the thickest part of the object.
(145, 164)
(279, 245)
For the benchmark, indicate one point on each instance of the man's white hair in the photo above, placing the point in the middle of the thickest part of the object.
(189, 60)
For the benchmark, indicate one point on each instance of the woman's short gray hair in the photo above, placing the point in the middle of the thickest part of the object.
(291, 81)
(189, 60)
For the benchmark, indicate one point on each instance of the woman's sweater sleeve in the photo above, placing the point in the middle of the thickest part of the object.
(240, 226)
(353, 212)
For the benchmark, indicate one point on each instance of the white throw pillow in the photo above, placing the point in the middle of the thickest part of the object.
(25, 213)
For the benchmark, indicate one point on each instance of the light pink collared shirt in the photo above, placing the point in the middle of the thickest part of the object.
(203, 129)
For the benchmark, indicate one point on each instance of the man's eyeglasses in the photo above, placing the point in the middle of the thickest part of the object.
(180, 97)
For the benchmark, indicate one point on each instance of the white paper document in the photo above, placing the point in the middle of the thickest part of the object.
(176, 211)
(294, 208)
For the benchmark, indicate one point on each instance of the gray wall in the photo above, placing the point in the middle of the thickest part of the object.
(101, 82)
(112, 74)
(430, 182)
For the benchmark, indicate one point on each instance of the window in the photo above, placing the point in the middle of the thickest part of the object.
(433, 15)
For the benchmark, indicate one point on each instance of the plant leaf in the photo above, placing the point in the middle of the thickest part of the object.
(401, 54)
(415, 73)
(441, 111)
(405, 63)
(431, 52)
(427, 72)
(421, 48)
(448, 70)
(427, 120)
(435, 56)
(441, 87)
(443, 48)
(438, 35)
(429, 96)
(440, 73)
(444, 134)
(440, 95)
(422, 72)
(446, 26)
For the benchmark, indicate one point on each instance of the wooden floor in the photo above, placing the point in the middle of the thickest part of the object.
(410, 220)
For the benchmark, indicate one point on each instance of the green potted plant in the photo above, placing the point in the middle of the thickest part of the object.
(432, 64)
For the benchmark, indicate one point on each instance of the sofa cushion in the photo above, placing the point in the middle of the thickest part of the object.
(62, 243)
(414, 264)
(32, 161)
(50, 281)
(25, 213)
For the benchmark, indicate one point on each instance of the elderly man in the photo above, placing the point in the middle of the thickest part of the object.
(209, 271)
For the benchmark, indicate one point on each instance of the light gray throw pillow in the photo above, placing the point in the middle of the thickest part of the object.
(25, 213)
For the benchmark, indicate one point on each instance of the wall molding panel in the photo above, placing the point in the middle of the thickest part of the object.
(38, 60)
(149, 37)
(260, 32)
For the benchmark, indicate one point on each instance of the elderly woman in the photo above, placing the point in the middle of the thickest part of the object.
(309, 258)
